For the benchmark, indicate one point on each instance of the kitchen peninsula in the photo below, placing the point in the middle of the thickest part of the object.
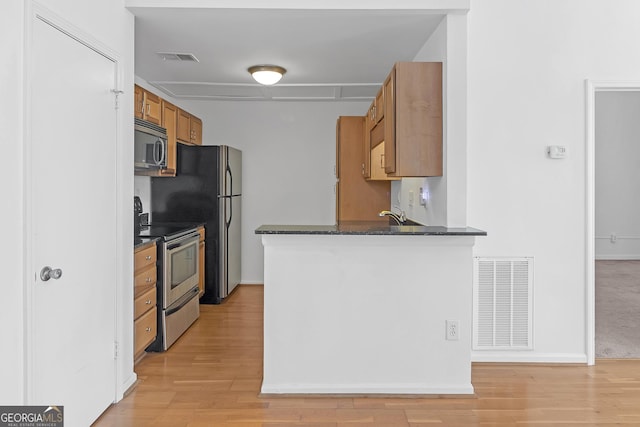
(364, 308)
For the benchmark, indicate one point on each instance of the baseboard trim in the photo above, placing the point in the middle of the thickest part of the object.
(366, 389)
(512, 357)
(128, 386)
(616, 257)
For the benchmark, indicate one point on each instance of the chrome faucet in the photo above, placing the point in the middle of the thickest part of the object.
(400, 219)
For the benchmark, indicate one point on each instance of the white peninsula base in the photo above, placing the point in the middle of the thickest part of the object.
(366, 314)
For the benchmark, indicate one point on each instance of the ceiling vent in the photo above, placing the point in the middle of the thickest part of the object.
(173, 56)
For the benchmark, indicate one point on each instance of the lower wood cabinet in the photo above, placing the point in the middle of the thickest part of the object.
(145, 299)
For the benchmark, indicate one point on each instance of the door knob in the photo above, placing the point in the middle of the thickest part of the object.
(50, 273)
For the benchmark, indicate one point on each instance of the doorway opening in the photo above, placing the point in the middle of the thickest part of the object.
(593, 88)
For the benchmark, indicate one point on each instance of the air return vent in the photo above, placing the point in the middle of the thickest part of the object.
(173, 56)
(502, 303)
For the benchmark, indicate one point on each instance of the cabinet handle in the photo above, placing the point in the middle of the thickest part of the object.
(148, 302)
(148, 257)
(148, 108)
(381, 160)
(148, 280)
(148, 329)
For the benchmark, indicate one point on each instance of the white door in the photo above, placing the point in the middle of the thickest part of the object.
(72, 199)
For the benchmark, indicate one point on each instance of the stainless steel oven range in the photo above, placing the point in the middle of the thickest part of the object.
(177, 284)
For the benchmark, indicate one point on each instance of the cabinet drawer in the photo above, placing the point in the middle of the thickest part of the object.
(144, 258)
(144, 302)
(146, 277)
(144, 331)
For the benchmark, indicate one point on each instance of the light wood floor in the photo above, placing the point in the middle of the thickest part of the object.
(212, 377)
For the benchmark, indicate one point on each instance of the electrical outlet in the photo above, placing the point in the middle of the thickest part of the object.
(452, 330)
(410, 197)
(613, 238)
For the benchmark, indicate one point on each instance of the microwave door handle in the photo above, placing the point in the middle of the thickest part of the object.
(160, 151)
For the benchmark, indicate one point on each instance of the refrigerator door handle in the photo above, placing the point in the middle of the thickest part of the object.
(228, 193)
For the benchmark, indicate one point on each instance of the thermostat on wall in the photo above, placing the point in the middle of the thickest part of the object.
(557, 151)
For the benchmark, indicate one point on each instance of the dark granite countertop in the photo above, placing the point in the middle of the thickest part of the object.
(140, 242)
(370, 229)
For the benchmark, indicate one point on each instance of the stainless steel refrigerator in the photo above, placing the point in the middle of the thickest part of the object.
(207, 189)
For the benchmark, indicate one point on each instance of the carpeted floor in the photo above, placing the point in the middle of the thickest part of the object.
(618, 309)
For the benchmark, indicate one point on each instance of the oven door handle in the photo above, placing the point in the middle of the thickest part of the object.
(183, 242)
(186, 301)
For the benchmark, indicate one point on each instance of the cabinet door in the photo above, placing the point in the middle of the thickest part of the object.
(390, 123)
(366, 148)
(379, 105)
(138, 105)
(152, 108)
(183, 133)
(356, 199)
(170, 123)
(144, 332)
(413, 99)
(196, 130)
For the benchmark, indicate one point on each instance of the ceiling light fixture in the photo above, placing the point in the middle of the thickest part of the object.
(266, 74)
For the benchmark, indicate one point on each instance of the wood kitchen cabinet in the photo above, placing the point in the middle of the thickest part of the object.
(170, 123)
(144, 304)
(189, 128)
(147, 105)
(374, 160)
(413, 120)
(196, 130)
(201, 262)
(356, 198)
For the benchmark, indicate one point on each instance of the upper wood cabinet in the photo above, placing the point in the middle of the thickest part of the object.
(189, 128)
(379, 106)
(356, 198)
(184, 126)
(413, 119)
(374, 148)
(376, 110)
(147, 105)
(181, 126)
(196, 130)
(170, 123)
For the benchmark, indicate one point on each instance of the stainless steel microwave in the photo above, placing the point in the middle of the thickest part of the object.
(150, 146)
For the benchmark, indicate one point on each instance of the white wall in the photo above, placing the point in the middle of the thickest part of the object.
(107, 22)
(617, 185)
(435, 211)
(11, 177)
(528, 61)
(288, 154)
(447, 195)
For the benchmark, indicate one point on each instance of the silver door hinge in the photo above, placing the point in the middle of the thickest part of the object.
(115, 349)
(117, 93)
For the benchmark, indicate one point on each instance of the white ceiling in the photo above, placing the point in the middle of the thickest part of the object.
(328, 54)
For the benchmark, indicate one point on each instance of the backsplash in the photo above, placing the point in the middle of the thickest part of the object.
(405, 196)
(142, 189)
